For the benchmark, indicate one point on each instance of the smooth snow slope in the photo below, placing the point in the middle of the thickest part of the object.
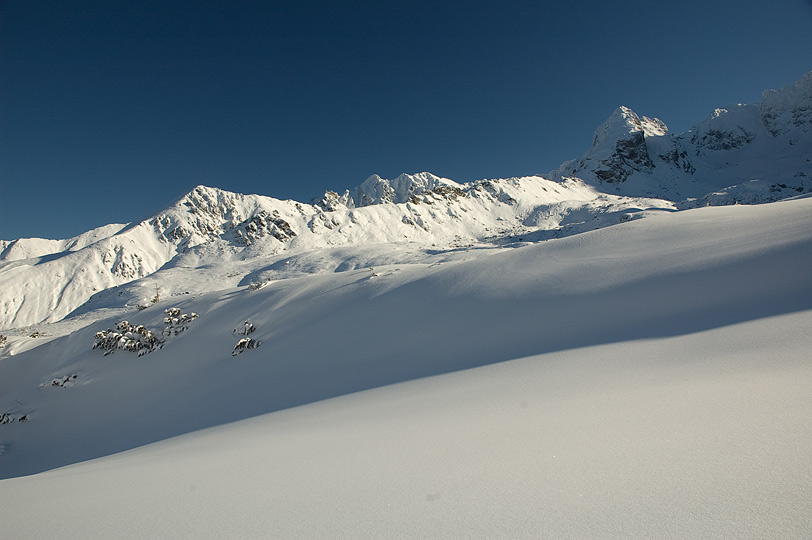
(698, 436)
(661, 392)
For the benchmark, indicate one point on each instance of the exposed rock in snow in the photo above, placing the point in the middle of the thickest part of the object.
(377, 190)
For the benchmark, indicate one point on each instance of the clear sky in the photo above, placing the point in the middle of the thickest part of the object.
(111, 109)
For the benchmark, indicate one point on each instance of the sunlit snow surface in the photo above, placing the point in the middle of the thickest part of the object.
(647, 380)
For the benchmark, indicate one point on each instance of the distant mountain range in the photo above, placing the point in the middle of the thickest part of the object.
(745, 154)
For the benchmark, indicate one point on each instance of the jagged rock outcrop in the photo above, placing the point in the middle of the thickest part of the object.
(377, 190)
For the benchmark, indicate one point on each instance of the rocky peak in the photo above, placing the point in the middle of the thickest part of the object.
(377, 190)
(619, 146)
(201, 215)
(625, 124)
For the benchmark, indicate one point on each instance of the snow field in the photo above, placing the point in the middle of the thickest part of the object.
(702, 435)
(648, 380)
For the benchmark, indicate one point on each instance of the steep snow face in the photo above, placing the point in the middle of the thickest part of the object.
(625, 149)
(49, 288)
(740, 154)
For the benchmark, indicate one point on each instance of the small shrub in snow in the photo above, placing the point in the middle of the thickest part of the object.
(127, 337)
(177, 322)
(244, 344)
(3, 340)
(137, 338)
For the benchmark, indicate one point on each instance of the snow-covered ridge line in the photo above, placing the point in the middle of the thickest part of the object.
(28, 248)
(739, 154)
(212, 226)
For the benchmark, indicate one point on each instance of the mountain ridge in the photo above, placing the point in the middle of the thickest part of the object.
(739, 154)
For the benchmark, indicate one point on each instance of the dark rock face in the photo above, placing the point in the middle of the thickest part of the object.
(264, 224)
(716, 139)
(630, 155)
(678, 157)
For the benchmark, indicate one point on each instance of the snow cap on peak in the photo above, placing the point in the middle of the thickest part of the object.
(201, 189)
(200, 192)
(377, 190)
(624, 122)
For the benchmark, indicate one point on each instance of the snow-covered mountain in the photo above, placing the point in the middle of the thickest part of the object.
(612, 350)
(210, 226)
(643, 380)
(739, 154)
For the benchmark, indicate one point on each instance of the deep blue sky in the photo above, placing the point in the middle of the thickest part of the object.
(111, 109)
